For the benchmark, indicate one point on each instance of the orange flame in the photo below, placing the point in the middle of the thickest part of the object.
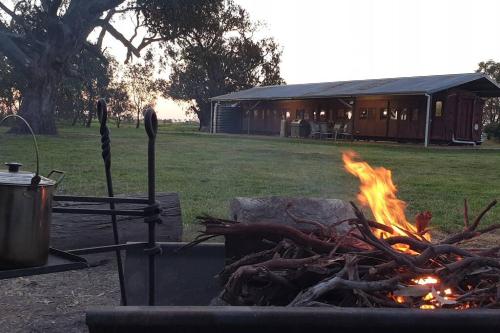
(379, 193)
(436, 297)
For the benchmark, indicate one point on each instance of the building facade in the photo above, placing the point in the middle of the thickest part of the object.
(437, 109)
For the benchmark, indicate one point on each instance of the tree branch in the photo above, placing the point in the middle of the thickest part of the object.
(116, 34)
(19, 19)
(108, 17)
(13, 52)
(51, 6)
(132, 50)
(100, 6)
(9, 11)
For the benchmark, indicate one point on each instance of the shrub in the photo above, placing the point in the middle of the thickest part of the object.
(493, 131)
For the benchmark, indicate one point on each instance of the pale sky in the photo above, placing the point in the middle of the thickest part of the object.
(332, 40)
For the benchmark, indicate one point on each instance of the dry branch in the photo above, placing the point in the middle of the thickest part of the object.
(357, 269)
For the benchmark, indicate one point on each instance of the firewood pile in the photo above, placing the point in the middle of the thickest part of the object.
(360, 268)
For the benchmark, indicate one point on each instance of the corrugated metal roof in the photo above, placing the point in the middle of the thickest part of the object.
(391, 86)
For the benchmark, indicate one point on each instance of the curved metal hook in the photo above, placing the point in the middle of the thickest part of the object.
(36, 178)
(151, 123)
(102, 111)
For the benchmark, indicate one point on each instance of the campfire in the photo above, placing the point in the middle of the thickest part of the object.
(385, 262)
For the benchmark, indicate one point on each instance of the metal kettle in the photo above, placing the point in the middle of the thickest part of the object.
(25, 213)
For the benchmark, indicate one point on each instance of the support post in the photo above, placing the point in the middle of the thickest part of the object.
(428, 120)
(216, 107)
(211, 117)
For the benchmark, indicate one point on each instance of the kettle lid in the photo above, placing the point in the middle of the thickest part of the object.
(12, 176)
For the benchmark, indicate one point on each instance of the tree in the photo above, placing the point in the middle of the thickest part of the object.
(69, 104)
(119, 102)
(41, 39)
(142, 86)
(492, 105)
(96, 73)
(10, 85)
(215, 55)
(76, 96)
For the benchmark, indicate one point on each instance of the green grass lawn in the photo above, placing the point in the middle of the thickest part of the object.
(209, 170)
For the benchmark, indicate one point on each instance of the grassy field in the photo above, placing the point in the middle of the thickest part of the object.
(209, 170)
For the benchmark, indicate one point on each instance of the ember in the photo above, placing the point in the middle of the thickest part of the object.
(388, 262)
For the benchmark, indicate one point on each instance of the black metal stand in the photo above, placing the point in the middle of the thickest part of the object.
(59, 261)
(148, 208)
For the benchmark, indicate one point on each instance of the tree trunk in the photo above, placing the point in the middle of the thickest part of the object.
(118, 120)
(75, 117)
(204, 118)
(90, 116)
(38, 107)
(138, 123)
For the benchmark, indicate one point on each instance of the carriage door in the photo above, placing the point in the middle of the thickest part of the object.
(393, 120)
(465, 112)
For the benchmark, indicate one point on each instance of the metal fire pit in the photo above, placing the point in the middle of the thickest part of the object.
(186, 284)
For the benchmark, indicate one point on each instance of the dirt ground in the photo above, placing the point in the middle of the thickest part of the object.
(57, 302)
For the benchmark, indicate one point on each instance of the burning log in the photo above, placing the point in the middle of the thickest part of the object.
(316, 269)
(388, 262)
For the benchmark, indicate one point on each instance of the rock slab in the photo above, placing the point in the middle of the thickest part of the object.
(274, 210)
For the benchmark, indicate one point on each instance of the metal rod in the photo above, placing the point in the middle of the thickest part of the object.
(107, 248)
(151, 125)
(87, 211)
(138, 201)
(102, 112)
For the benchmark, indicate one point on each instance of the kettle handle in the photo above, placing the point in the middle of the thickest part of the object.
(61, 175)
(36, 178)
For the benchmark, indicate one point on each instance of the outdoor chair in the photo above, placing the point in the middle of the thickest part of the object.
(325, 130)
(345, 133)
(315, 130)
(336, 131)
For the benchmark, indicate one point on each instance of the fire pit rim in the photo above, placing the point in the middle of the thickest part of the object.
(227, 318)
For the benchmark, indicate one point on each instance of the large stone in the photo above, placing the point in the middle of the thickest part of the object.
(274, 210)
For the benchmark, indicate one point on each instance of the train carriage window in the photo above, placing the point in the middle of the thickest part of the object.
(404, 114)
(439, 109)
(384, 113)
(363, 114)
(394, 114)
(414, 114)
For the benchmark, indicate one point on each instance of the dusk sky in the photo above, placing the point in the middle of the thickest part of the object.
(326, 40)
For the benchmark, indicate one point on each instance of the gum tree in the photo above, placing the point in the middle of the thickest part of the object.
(41, 38)
(216, 54)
